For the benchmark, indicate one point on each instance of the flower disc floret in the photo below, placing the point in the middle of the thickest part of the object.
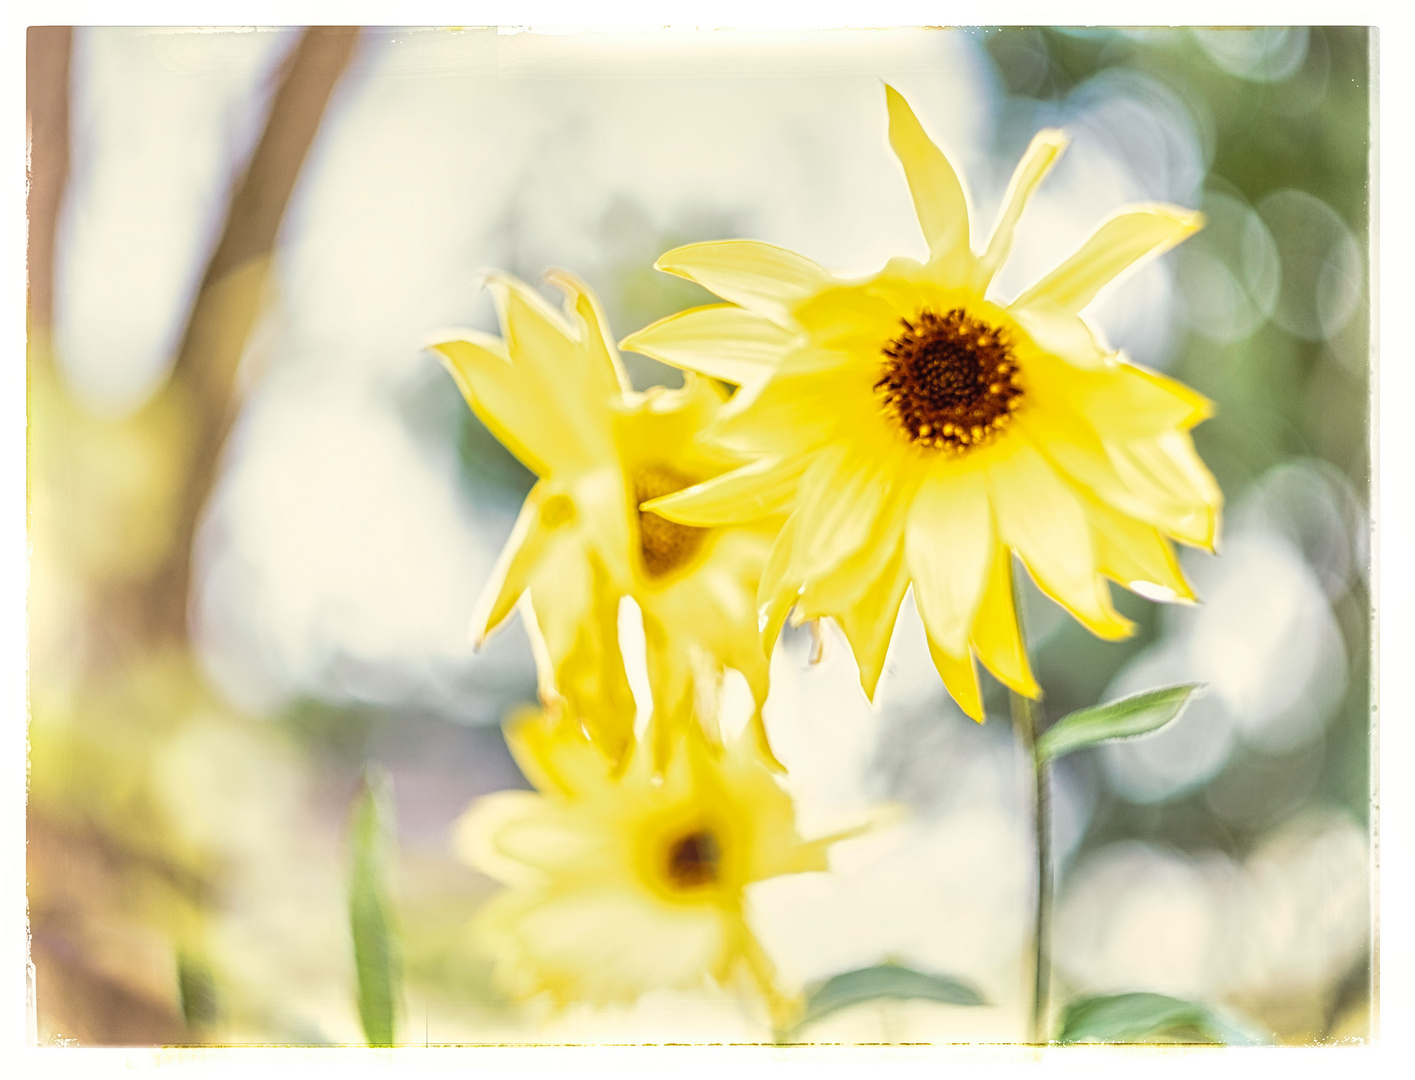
(950, 381)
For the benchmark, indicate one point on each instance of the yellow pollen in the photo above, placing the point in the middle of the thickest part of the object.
(950, 381)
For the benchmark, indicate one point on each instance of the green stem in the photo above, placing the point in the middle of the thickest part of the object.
(1027, 718)
(1024, 716)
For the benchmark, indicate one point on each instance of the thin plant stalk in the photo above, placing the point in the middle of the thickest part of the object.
(1027, 718)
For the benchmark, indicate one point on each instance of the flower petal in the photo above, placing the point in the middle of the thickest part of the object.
(1046, 146)
(511, 409)
(961, 679)
(810, 396)
(838, 502)
(869, 621)
(996, 635)
(553, 753)
(1062, 333)
(759, 488)
(776, 594)
(1119, 400)
(605, 370)
(1080, 454)
(1168, 468)
(722, 340)
(1040, 517)
(761, 277)
(572, 383)
(938, 193)
(1130, 236)
(521, 553)
(1136, 555)
(476, 833)
(948, 544)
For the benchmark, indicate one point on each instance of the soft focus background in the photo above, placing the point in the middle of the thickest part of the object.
(260, 514)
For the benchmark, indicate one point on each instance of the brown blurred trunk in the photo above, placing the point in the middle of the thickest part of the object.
(153, 611)
(47, 51)
(89, 960)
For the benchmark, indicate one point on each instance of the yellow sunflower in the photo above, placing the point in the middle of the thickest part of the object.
(920, 431)
(621, 882)
(556, 394)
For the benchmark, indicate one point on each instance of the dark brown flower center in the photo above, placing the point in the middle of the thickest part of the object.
(693, 860)
(950, 380)
(665, 545)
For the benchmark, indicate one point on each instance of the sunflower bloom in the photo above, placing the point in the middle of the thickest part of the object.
(918, 430)
(556, 394)
(624, 881)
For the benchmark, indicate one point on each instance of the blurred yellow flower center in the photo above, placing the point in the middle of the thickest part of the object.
(665, 545)
(693, 860)
(950, 380)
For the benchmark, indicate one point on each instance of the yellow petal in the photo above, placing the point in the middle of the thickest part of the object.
(838, 501)
(755, 490)
(1119, 400)
(1045, 148)
(1124, 240)
(996, 636)
(1039, 516)
(833, 592)
(795, 411)
(776, 594)
(961, 679)
(553, 753)
(1062, 333)
(521, 553)
(948, 544)
(869, 621)
(938, 195)
(572, 384)
(604, 369)
(1136, 555)
(477, 833)
(670, 674)
(761, 277)
(1078, 453)
(577, 612)
(721, 340)
(1167, 467)
(505, 402)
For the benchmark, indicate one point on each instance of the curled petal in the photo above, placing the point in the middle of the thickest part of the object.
(755, 490)
(1046, 146)
(1133, 234)
(761, 277)
(938, 193)
(1039, 516)
(948, 545)
(722, 340)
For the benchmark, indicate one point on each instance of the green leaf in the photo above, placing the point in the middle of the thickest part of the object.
(1144, 1017)
(883, 981)
(1137, 714)
(376, 961)
(196, 989)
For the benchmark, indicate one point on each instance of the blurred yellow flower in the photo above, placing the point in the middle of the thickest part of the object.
(556, 394)
(917, 430)
(621, 883)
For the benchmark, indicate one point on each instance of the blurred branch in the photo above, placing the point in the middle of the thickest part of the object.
(47, 50)
(232, 295)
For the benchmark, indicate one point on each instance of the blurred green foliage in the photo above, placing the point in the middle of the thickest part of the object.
(1278, 396)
